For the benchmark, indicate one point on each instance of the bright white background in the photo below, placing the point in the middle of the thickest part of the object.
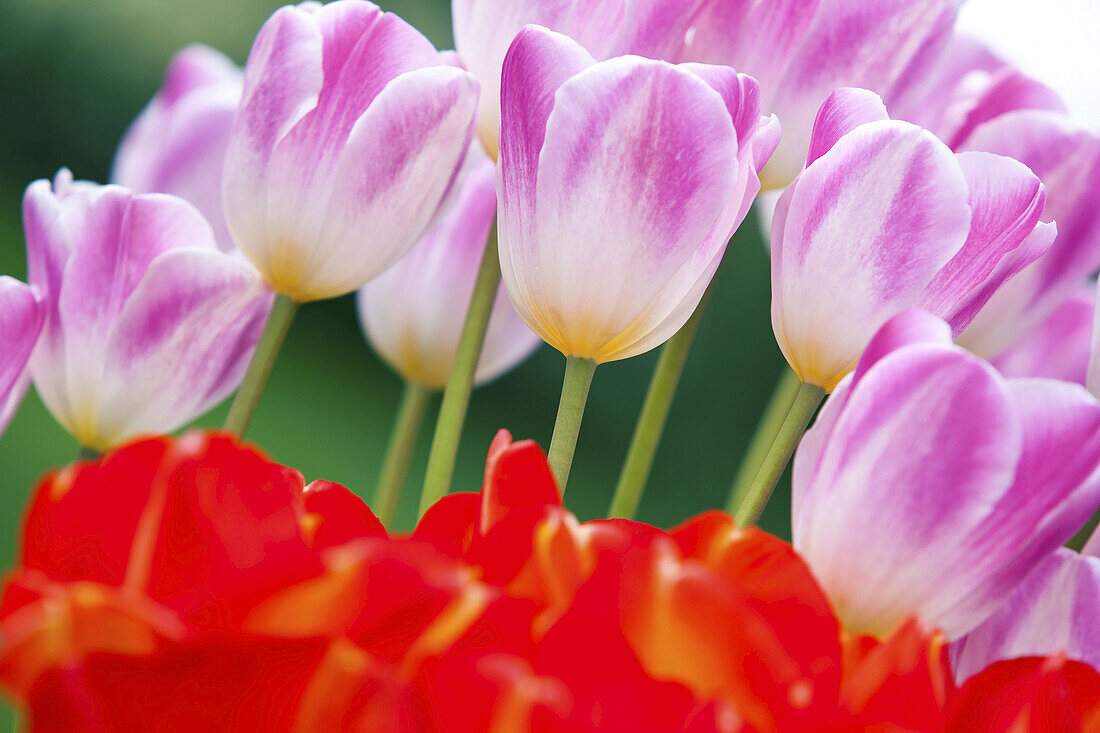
(1055, 41)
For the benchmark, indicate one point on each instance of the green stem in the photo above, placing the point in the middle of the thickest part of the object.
(456, 397)
(654, 416)
(87, 454)
(255, 379)
(567, 426)
(774, 414)
(806, 402)
(395, 467)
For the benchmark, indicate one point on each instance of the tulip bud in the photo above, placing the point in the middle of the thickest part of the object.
(148, 324)
(884, 218)
(350, 130)
(21, 315)
(620, 184)
(177, 144)
(484, 29)
(413, 313)
(931, 485)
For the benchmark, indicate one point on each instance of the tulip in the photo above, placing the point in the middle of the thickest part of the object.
(412, 314)
(148, 324)
(620, 184)
(1058, 347)
(177, 144)
(931, 485)
(484, 29)
(350, 130)
(801, 50)
(22, 314)
(1066, 156)
(885, 217)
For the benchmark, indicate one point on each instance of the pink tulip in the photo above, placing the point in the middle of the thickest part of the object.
(620, 183)
(1059, 347)
(1066, 156)
(801, 50)
(484, 29)
(22, 313)
(413, 313)
(1054, 611)
(931, 485)
(885, 218)
(148, 324)
(177, 145)
(350, 131)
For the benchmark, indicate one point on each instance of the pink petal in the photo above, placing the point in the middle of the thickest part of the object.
(22, 313)
(1006, 201)
(844, 110)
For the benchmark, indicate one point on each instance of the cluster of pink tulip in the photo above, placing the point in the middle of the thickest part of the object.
(572, 174)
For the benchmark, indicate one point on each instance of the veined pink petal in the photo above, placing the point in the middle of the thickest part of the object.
(282, 84)
(1059, 347)
(178, 143)
(858, 238)
(1006, 201)
(196, 314)
(22, 313)
(1066, 157)
(642, 205)
(1053, 611)
(537, 64)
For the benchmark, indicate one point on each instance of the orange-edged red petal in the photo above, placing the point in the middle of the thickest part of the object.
(450, 524)
(517, 478)
(900, 683)
(1032, 695)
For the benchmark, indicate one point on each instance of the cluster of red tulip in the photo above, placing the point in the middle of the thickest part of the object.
(184, 583)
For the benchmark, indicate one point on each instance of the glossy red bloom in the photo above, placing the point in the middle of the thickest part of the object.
(193, 584)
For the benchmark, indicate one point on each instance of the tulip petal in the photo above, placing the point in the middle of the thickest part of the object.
(858, 239)
(1006, 200)
(845, 110)
(22, 314)
(536, 65)
(282, 84)
(1053, 611)
(181, 344)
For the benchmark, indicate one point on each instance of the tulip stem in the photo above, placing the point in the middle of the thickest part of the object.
(87, 454)
(766, 431)
(395, 467)
(255, 379)
(654, 416)
(567, 426)
(798, 418)
(456, 397)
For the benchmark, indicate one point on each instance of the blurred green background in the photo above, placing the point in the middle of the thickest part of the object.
(74, 73)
